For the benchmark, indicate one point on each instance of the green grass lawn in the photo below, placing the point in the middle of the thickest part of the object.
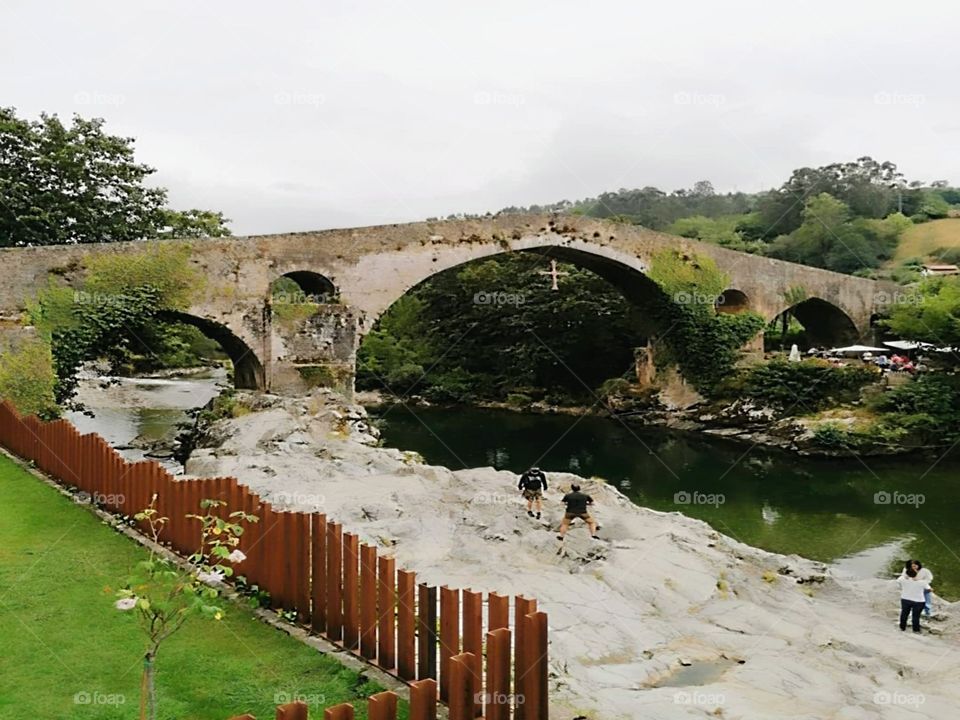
(63, 643)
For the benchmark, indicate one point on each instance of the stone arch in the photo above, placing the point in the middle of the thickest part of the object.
(248, 372)
(824, 323)
(630, 279)
(315, 286)
(625, 271)
(733, 301)
(626, 274)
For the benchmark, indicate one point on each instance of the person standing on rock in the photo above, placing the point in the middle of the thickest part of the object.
(912, 599)
(923, 575)
(532, 483)
(577, 507)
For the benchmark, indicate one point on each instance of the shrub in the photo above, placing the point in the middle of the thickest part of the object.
(27, 379)
(833, 435)
(808, 385)
(518, 400)
(949, 255)
(928, 405)
(453, 386)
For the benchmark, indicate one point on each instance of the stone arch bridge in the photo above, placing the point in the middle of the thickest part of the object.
(358, 273)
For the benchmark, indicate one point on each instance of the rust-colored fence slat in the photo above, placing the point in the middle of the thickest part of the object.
(351, 588)
(157, 487)
(449, 636)
(497, 695)
(318, 579)
(291, 561)
(522, 653)
(368, 602)
(293, 711)
(334, 581)
(382, 706)
(462, 690)
(406, 625)
(423, 699)
(194, 498)
(427, 632)
(386, 607)
(302, 574)
(536, 700)
(344, 711)
(175, 511)
(270, 543)
(243, 501)
(473, 639)
(252, 567)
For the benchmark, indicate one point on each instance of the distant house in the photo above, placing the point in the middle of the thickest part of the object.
(932, 270)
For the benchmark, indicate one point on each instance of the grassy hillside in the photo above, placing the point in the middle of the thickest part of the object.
(923, 239)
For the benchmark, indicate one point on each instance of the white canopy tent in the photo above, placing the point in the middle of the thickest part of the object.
(858, 350)
(908, 345)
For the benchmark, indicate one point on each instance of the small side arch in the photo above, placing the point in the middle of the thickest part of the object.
(732, 302)
(824, 324)
(313, 287)
(248, 373)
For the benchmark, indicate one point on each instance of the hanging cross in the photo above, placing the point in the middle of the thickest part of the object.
(554, 274)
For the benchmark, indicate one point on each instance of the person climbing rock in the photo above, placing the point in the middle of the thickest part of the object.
(577, 507)
(532, 483)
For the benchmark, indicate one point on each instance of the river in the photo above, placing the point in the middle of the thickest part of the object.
(862, 515)
(142, 415)
(865, 516)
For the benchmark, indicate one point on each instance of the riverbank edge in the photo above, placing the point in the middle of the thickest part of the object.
(788, 434)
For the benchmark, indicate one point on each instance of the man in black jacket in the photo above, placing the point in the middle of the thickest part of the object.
(577, 507)
(532, 483)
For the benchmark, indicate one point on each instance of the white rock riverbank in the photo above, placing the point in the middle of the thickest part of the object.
(660, 590)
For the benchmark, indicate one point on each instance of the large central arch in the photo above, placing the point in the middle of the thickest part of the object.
(625, 271)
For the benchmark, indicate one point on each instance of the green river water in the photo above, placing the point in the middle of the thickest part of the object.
(864, 515)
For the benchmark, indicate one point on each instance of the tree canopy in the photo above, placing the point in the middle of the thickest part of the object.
(75, 183)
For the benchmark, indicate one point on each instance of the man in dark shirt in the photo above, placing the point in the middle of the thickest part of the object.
(577, 507)
(532, 483)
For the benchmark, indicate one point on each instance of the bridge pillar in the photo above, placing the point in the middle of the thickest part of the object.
(753, 350)
(313, 345)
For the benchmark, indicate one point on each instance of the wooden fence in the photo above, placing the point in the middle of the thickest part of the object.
(339, 588)
(382, 706)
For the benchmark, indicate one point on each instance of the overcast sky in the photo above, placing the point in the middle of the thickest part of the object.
(298, 116)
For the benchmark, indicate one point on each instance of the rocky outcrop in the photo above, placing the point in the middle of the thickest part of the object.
(662, 618)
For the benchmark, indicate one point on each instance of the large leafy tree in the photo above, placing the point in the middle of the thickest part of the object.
(830, 237)
(76, 183)
(868, 188)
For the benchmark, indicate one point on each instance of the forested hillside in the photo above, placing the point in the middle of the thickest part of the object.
(847, 217)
